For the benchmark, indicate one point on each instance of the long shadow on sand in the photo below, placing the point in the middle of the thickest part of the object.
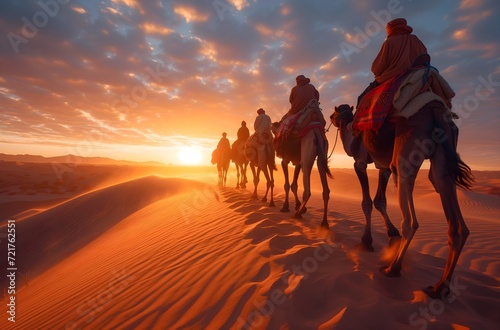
(322, 280)
(46, 238)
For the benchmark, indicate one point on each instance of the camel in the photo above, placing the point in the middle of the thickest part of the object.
(222, 159)
(260, 155)
(241, 162)
(354, 147)
(402, 145)
(313, 144)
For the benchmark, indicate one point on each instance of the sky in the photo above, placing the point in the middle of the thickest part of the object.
(148, 80)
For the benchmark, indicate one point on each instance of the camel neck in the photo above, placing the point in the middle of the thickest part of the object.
(346, 136)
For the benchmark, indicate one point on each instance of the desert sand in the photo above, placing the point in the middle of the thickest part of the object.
(124, 247)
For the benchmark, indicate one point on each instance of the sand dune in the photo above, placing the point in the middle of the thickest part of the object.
(163, 251)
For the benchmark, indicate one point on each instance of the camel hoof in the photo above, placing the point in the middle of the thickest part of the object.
(393, 232)
(390, 273)
(365, 247)
(297, 216)
(264, 199)
(272, 204)
(285, 209)
(324, 224)
(297, 207)
(367, 243)
(433, 293)
(254, 196)
(394, 241)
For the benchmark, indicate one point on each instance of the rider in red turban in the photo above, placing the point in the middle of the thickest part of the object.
(398, 52)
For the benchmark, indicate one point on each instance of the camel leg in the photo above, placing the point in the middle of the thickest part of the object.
(255, 173)
(366, 204)
(380, 203)
(225, 176)
(286, 186)
(306, 172)
(326, 191)
(244, 179)
(307, 157)
(271, 183)
(266, 176)
(295, 187)
(219, 172)
(409, 223)
(262, 166)
(266, 164)
(237, 176)
(406, 162)
(268, 173)
(457, 230)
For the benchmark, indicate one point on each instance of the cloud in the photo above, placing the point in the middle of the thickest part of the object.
(154, 72)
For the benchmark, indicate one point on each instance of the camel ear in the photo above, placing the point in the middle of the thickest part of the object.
(352, 108)
(335, 108)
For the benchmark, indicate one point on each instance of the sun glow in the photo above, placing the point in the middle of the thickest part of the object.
(190, 156)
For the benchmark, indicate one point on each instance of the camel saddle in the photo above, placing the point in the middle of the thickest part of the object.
(376, 102)
(292, 128)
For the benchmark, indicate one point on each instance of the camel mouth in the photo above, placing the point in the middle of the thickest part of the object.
(335, 118)
(341, 113)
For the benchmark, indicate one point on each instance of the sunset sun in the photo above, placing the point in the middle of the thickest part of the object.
(190, 156)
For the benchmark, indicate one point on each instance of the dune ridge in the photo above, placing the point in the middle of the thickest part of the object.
(67, 227)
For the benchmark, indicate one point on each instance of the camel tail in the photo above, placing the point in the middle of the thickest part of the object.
(463, 176)
(459, 170)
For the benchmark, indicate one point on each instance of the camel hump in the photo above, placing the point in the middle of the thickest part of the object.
(214, 156)
(422, 59)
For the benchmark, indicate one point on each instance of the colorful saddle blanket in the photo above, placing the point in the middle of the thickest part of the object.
(291, 122)
(376, 105)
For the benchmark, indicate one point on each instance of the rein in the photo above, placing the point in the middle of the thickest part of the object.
(336, 137)
(335, 116)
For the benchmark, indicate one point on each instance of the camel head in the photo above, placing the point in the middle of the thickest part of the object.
(342, 114)
(274, 127)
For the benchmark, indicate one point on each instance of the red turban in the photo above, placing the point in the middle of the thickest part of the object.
(398, 26)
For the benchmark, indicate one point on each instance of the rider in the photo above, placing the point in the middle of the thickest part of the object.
(243, 132)
(262, 126)
(301, 94)
(398, 52)
(224, 144)
(263, 136)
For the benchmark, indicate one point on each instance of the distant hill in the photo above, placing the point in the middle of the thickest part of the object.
(72, 159)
